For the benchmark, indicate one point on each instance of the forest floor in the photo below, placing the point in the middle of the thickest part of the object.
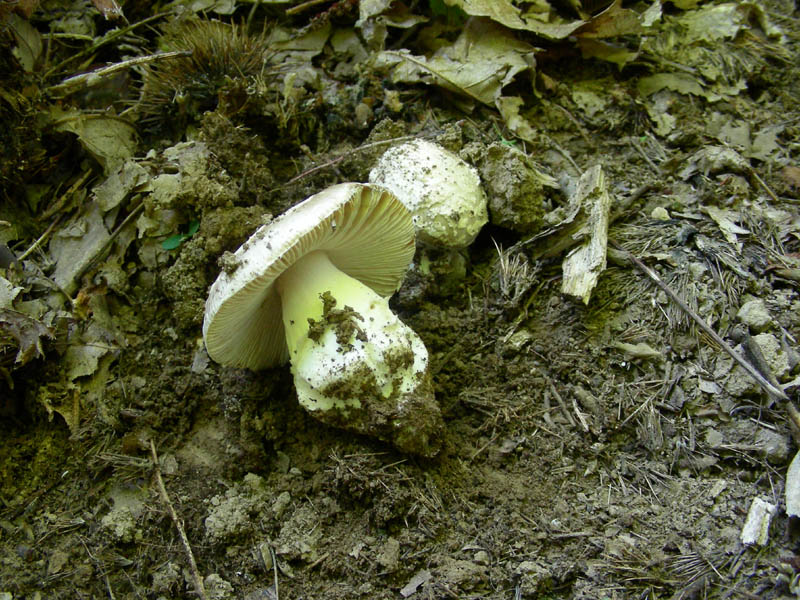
(602, 449)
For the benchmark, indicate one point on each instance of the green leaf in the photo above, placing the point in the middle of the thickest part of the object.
(172, 242)
(176, 240)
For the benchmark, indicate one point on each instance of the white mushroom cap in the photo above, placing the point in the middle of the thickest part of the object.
(442, 191)
(365, 232)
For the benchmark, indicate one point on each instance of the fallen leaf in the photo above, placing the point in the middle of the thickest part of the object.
(612, 22)
(791, 175)
(484, 59)
(637, 351)
(26, 333)
(110, 10)
(109, 139)
(119, 184)
(725, 221)
(541, 19)
(77, 245)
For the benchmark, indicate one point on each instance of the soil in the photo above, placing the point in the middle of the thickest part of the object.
(602, 450)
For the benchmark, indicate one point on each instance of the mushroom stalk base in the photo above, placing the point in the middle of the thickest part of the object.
(355, 364)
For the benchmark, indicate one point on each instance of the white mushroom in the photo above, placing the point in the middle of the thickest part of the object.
(312, 287)
(442, 192)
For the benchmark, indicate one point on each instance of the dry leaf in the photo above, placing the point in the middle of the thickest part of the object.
(18, 329)
(541, 20)
(484, 59)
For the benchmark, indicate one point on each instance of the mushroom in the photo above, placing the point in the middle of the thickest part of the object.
(312, 287)
(442, 192)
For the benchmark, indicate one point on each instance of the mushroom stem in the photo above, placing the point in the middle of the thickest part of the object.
(355, 364)
(344, 342)
(300, 288)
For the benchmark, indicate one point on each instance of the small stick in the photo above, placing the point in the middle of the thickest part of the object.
(580, 416)
(59, 204)
(106, 245)
(41, 239)
(333, 162)
(771, 390)
(561, 402)
(635, 143)
(794, 415)
(106, 39)
(91, 78)
(197, 580)
(318, 561)
(304, 6)
(275, 571)
(763, 184)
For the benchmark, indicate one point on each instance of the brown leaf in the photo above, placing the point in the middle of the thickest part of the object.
(110, 10)
(791, 175)
(612, 22)
(23, 8)
(26, 332)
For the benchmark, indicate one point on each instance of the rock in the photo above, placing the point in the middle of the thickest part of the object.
(217, 588)
(746, 436)
(389, 555)
(463, 574)
(776, 358)
(659, 213)
(533, 578)
(516, 188)
(121, 520)
(756, 526)
(755, 315)
(772, 445)
(280, 505)
(230, 515)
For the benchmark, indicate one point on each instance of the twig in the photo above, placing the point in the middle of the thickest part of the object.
(546, 414)
(564, 152)
(771, 390)
(762, 183)
(303, 6)
(91, 78)
(794, 415)
(319, 560)
(482, 448)
(107, 38)
(625, 203)
(59, 204)
(275, 571)
(107, 244)
(561, 402)
(41, 238)
(580, 416)
(335, 161)
(576, 123)
(197, 580)
(635, 143)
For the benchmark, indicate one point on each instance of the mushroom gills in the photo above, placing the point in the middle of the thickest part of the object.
(355, 364)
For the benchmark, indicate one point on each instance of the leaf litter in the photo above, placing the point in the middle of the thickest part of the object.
(635, 442)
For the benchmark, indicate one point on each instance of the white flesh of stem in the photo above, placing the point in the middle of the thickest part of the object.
(391, 361)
